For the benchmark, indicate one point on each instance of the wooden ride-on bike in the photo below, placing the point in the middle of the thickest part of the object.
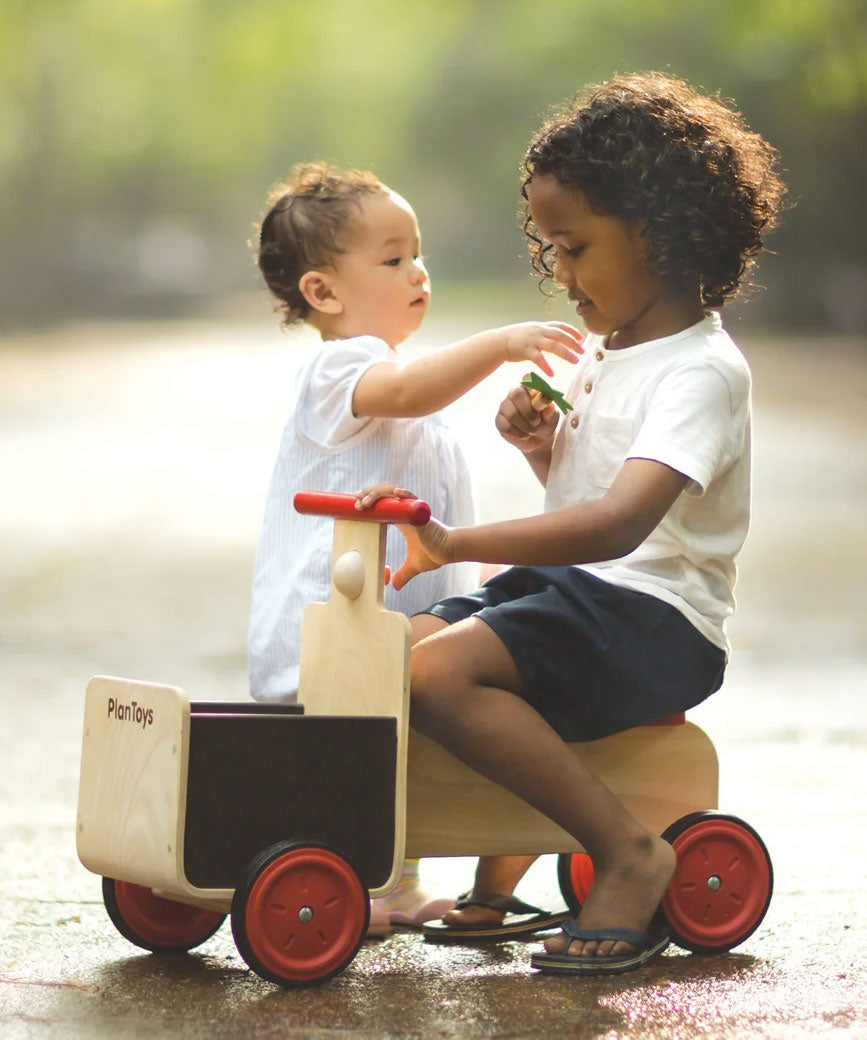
(290, 818)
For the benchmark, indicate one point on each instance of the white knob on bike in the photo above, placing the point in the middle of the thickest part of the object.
(347, 574)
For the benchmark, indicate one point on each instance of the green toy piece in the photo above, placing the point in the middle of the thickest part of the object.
(536, 382)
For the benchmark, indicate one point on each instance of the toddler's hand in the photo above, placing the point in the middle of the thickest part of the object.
(520, 424)
(368, 496)
(528, 340)
(427, 547)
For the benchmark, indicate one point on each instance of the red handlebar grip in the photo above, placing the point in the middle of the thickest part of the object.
(342, 507)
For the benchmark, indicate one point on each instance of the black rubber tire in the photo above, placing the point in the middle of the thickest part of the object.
(322, 879)
(149, 932)
(722, 885)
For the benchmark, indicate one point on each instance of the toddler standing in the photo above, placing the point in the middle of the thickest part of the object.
(341, 252)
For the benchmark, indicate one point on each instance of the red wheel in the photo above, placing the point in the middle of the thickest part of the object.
(299, 914)
(575, 876)
(157, 924)
(722, 883)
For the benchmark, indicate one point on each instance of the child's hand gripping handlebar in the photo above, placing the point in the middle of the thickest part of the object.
(388, 510)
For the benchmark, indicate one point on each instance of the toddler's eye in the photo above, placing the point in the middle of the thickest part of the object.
(394, 262)
(575, 251)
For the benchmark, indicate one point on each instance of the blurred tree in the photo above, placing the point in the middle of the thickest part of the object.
(137, 141)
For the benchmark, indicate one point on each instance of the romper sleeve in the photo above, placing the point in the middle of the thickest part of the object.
(325, 409)
(696, 422)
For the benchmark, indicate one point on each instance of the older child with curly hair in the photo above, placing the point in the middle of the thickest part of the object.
(647, 202)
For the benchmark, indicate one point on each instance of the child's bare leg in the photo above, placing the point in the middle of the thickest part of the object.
(465, 695)
(494, 874)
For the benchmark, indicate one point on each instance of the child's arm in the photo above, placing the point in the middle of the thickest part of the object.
(604, 529)
(435, 380)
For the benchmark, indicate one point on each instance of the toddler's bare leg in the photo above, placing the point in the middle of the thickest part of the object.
(466, 696)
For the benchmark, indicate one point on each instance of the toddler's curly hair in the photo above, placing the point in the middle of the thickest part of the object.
(309, 221)
(648, 146)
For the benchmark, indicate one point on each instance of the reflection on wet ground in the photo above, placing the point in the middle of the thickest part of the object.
(132, 484)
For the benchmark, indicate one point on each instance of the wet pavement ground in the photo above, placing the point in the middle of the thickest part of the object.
(132, 486)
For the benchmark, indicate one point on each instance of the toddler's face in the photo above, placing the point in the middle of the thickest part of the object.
(381, 282)
(600, 261)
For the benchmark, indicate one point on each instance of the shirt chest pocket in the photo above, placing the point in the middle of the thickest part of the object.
(610, 440)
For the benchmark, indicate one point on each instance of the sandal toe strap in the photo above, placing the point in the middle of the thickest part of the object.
(627, 935)
(495, 901)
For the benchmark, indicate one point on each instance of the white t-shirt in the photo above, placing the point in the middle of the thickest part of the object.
(325, 447)
(683, 400)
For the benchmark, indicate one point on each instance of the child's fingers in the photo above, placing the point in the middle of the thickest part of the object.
(507, 428)
(420, 556)
(566, 334)
(516, 416)
(530, 440)
(520, 399)
(530, 338)
(549, 416)
(563, 343)
(549, 343)
(365, 498)
(402, 576)
(570, 330)
(540, 359)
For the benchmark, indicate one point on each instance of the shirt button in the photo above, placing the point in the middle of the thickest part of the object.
(599, 355)
(588, 386)
(574, 422)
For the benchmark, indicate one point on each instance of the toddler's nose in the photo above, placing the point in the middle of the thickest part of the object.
(418, 272)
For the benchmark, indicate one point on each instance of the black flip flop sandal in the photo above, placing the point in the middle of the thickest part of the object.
(521, 920)
(647, 946)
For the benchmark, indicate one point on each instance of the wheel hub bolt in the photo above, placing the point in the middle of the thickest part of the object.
(714, 883)
(305, 914)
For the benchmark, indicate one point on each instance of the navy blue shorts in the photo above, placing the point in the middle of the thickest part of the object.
(595, 658)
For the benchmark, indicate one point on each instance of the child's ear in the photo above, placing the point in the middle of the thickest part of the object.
(316, 288)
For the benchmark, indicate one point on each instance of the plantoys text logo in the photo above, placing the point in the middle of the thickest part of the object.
(133, 712)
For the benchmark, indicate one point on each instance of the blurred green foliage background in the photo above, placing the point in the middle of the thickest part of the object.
(138, 138)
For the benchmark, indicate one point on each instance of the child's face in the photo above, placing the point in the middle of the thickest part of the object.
(600, 261)
(381, 283)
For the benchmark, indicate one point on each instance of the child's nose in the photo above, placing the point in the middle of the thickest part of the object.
(418, 271)
(561, 273)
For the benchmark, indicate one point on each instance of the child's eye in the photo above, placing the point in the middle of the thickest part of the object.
(393, 262)
(574, 251)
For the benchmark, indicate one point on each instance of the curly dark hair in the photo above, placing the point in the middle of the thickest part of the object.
(649, 147)
(309, 222)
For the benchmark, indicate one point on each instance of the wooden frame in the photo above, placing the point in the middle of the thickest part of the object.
(134, 785)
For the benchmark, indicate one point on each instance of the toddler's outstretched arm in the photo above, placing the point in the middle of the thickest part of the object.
(430, 383)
